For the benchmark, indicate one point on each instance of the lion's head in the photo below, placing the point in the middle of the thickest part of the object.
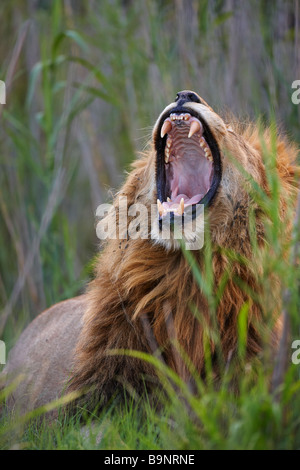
(195, 164)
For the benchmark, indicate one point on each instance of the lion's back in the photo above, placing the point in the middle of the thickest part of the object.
(42, 358)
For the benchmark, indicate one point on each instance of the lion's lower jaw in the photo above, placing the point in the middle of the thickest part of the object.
(184, 237)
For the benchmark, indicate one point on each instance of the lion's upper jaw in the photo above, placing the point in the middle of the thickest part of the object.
(214, 121)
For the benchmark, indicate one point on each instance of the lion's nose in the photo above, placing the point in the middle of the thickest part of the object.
(186, 95)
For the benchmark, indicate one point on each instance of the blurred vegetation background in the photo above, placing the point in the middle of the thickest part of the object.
(85, 82)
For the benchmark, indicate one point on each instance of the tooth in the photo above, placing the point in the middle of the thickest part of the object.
(186, 117)
(169, 142)
(182, 205)
(208, 153)
(168, 199)
(167, 127)
(195, 127)
(180, 209)
(160, 207)
(208, 156)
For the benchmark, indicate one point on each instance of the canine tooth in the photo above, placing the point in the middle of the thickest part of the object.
(166, 128)
(195, 127)
(180, 209)
(160, 207)
(182, 205)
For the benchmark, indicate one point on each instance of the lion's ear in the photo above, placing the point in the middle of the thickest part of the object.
(286, 152)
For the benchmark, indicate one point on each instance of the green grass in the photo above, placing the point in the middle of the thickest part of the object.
(85, 85)
(217, 420)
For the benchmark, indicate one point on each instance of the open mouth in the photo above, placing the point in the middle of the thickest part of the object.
(188, 162)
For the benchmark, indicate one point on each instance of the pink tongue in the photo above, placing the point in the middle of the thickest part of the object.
(187, 202)
(193, 199)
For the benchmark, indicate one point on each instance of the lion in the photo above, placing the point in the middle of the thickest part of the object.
(144, 294)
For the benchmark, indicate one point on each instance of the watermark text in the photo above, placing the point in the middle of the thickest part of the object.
(139, 221)
(296, 93)
(2, 92)
(296, 353)
(2, 353)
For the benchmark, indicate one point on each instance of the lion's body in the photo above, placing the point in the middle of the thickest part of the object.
(142, 293)
(42, 360)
